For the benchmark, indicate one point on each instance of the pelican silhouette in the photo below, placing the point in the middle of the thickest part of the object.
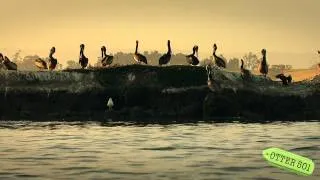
(245, 73)
(192, 59)
(165, 59)
(139, 57)
(40, 63)
(285, 79)
(263, 69)
(83, 60)
(106, 59)
(52, 61)
(9, 64)
(212, 84)
(218, 60)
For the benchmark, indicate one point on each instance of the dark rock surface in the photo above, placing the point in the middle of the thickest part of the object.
(153, 94)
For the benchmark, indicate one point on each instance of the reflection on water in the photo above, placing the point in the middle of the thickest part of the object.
(56, 150)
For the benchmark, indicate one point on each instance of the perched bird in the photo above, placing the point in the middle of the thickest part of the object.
(9, 64)
(192, 59)
(212, 85)
(165, 59)
(106, 59)
(83, 60)
(139, 57)
(263, 68)
(218, 60)
(285, 79)
(52, 61)
(1, 58)
(245, 73)
(40, 63)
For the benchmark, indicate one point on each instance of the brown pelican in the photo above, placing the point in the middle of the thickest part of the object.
(166, 57)
(192, 59)
(213, 85)
(83, 60)
(2, 66)
(139, 57)
(285, 79)
(52, 61)
(9, 64)
(106, 59)
(245, 73)
(41, 64)
(218, 60)
(263, 68)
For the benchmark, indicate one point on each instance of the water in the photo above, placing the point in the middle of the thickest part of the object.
(56, 150)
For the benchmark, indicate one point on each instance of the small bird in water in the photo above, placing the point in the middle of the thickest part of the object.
(165, 59)
(245, 73)
(106, 59)
(9, 64)
(83, 60)
(263, 68)
(218, 60)
(139, 57)
(192, 59)
(285, 79)
(52, 61)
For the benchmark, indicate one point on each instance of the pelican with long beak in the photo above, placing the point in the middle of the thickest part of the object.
(218, 60)
(165, 59)
(245, 73)
(263, 68)
(52, 61)
(212, 84)
(83, 60)
(106, 59)
(192, 59)
(9, 64)
(139, 57)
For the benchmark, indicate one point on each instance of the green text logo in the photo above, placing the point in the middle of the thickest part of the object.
(289, 161)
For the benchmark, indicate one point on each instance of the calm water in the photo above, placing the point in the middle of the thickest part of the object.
(117, 151)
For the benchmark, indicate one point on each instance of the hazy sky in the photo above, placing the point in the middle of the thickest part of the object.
(283, 27)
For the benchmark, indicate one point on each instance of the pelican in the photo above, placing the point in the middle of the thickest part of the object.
(245, 73)
(213, 85)
(2, 66)
(165, 59)
(285, 79)
(263, 65)
(139, 57)
(40, 63)
(9, 64)
(52, 61)
(83, 60)
(106, 59)
(218, 60)
(192, 59)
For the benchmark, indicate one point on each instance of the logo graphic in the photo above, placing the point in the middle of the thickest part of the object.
(289, 161)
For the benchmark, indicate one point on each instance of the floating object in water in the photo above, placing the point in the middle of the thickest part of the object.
(110, 103)
(289, 161)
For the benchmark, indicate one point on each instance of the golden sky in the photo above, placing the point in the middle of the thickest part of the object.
(288, 29)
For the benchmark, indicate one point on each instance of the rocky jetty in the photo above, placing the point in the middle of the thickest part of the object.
(154, 94)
